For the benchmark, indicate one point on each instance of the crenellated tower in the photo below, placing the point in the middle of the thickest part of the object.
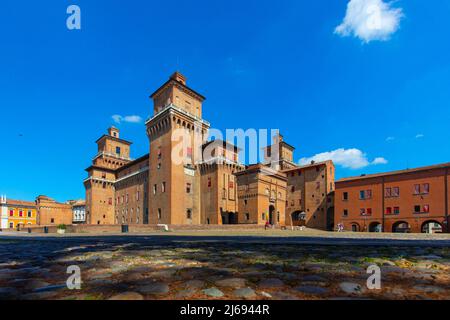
(113, 153)
(176, 133)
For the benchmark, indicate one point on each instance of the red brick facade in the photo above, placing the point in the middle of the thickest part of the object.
(415, 200)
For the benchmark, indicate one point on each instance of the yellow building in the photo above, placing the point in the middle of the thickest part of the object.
(15, 212)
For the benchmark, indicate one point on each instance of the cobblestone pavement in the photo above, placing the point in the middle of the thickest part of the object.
(184, 267)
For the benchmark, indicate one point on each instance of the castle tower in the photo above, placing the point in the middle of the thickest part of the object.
(176, 133)
(279, 155)
(113, 153)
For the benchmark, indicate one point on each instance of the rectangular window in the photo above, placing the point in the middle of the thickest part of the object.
(369, 211)
(231, 184)
(154, 189)
(209, 182)
(345, 213)
(362, 212)
(159, 153)
(138, 194)
(159, 214)
(426, 208)
(417, 189)
(388, 210)
(368, 194)
(362, 194)
(52, 220)
(11, 213)
(127, 197)
(188, 188)
(396, 192)
(396, 210)
(20, 213)
(163, 187)
(416, 209)
(118, 150)
(247, 216)
(426, 188)
(388, 192)
(29, 214)
(345, 196)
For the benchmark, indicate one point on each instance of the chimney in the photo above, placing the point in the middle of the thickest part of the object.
(178, 77)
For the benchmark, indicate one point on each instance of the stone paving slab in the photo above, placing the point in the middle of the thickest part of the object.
(183, 267)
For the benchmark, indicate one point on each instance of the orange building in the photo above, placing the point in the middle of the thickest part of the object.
(15, 213)
(413, 200)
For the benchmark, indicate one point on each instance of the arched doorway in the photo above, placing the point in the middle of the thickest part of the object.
(272, 215)
(375, 227)
(355, 227)
(431, 227)
(229, 217)
(401, 227)
(298, 219)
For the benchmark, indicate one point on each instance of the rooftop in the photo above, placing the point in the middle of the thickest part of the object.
(398, 172)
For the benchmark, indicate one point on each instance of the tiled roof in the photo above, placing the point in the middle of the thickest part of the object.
(392, 173)
(19, 203)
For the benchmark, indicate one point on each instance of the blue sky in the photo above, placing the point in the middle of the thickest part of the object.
(354, 94)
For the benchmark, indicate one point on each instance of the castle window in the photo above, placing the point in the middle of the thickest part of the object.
(345, 213)
(137, 195)
(159, 214)
(52, 220)
(189, 214)
(345, 196)
(163, 187)
(118, 150)
(188, 188)
(154, 189)
(209, 182)
(247, 216)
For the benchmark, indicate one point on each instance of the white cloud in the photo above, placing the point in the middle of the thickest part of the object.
(388, 139)
(347, 158)
(420, 135)
(379, 160)
(370, 20)
(130, 119)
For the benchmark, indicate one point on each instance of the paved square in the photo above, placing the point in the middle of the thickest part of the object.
(183, 266)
